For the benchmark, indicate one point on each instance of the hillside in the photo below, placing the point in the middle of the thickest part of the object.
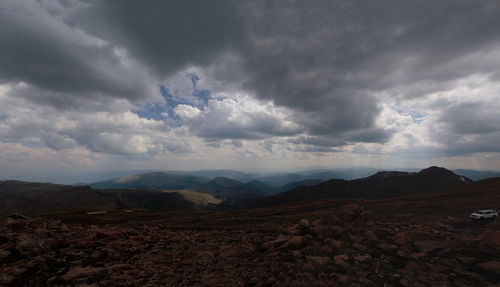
(272, 190)
(42, 198)
(228, 190)
(158, 180)
(231, 191)
(380, 185)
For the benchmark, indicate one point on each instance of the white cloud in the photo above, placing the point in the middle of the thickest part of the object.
(237, 117)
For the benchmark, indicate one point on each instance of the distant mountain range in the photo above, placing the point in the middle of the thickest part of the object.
(226, 189)
(380, 185)
(159, 180)
(275, 179)
(168, 191)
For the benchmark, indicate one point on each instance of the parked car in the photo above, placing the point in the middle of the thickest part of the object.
(485, 213)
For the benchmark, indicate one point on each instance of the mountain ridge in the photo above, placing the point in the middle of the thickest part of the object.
(378, 185)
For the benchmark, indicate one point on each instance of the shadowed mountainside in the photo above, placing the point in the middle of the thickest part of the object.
(380, 185)
(159, 180)
(231, 191)
(42, 198)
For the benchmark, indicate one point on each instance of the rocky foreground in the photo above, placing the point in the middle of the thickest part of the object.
(345, 247)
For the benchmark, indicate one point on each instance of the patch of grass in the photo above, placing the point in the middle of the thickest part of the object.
(196, 197)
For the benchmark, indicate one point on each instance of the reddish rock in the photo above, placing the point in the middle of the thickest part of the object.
(78, 272)
(6, 279)
(492, 237)
(235, 251)
(362, 258)
(30, 247)
(106, 233)
(341, 260)
(418, 255)
(296, 242)
(426, 245)
(370, 235)
(318, 260)
(281, 239)
(491, 266)
(349, 211)
(4, 255)
(337, 231)
(304, 223)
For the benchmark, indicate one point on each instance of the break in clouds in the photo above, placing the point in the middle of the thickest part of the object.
(193, 82)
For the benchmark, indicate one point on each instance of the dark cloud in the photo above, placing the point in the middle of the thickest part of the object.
(472, 118)
(40, 51)
(478, 144)
(166, 35)
(328, 59)
(329, 64)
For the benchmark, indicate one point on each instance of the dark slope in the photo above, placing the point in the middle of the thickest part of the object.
(272, 190)
(149, 199)
(379, 185)
(226, 189)
(160, 180)
(280, 180)
(42, 198)
(214, 173)
(230, 190)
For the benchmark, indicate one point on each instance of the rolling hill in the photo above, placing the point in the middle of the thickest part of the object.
(231, 191)
(224, 189)
(158, 180)
(42, 198)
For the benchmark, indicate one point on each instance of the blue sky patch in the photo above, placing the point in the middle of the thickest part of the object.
(160, 111)
(416, 116)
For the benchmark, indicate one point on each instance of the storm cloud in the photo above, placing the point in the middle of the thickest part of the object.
(159, 78)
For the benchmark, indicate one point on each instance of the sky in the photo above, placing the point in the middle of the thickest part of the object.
(248, 85)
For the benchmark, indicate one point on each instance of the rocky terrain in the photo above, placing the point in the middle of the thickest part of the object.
(419, 240)
(324, 243)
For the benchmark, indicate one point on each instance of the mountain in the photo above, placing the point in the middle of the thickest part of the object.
(380, 185)
(279, 180)
(292, 185)
(267, 189)
(150, 199)
(477, 174)
(225, 189)
(42, 198)
(230, 190)
(158, 180)
(31, 198)
(213, 173)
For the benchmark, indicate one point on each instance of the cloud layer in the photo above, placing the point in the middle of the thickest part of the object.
(295, 82)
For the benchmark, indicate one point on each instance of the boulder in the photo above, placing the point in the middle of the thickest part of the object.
(492, 237)
(491, 266)
(349, 212)
(79, 272)
(319, 260)
(295, 243)
(426, 245)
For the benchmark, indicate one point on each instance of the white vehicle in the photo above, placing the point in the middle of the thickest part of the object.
(485, 213)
